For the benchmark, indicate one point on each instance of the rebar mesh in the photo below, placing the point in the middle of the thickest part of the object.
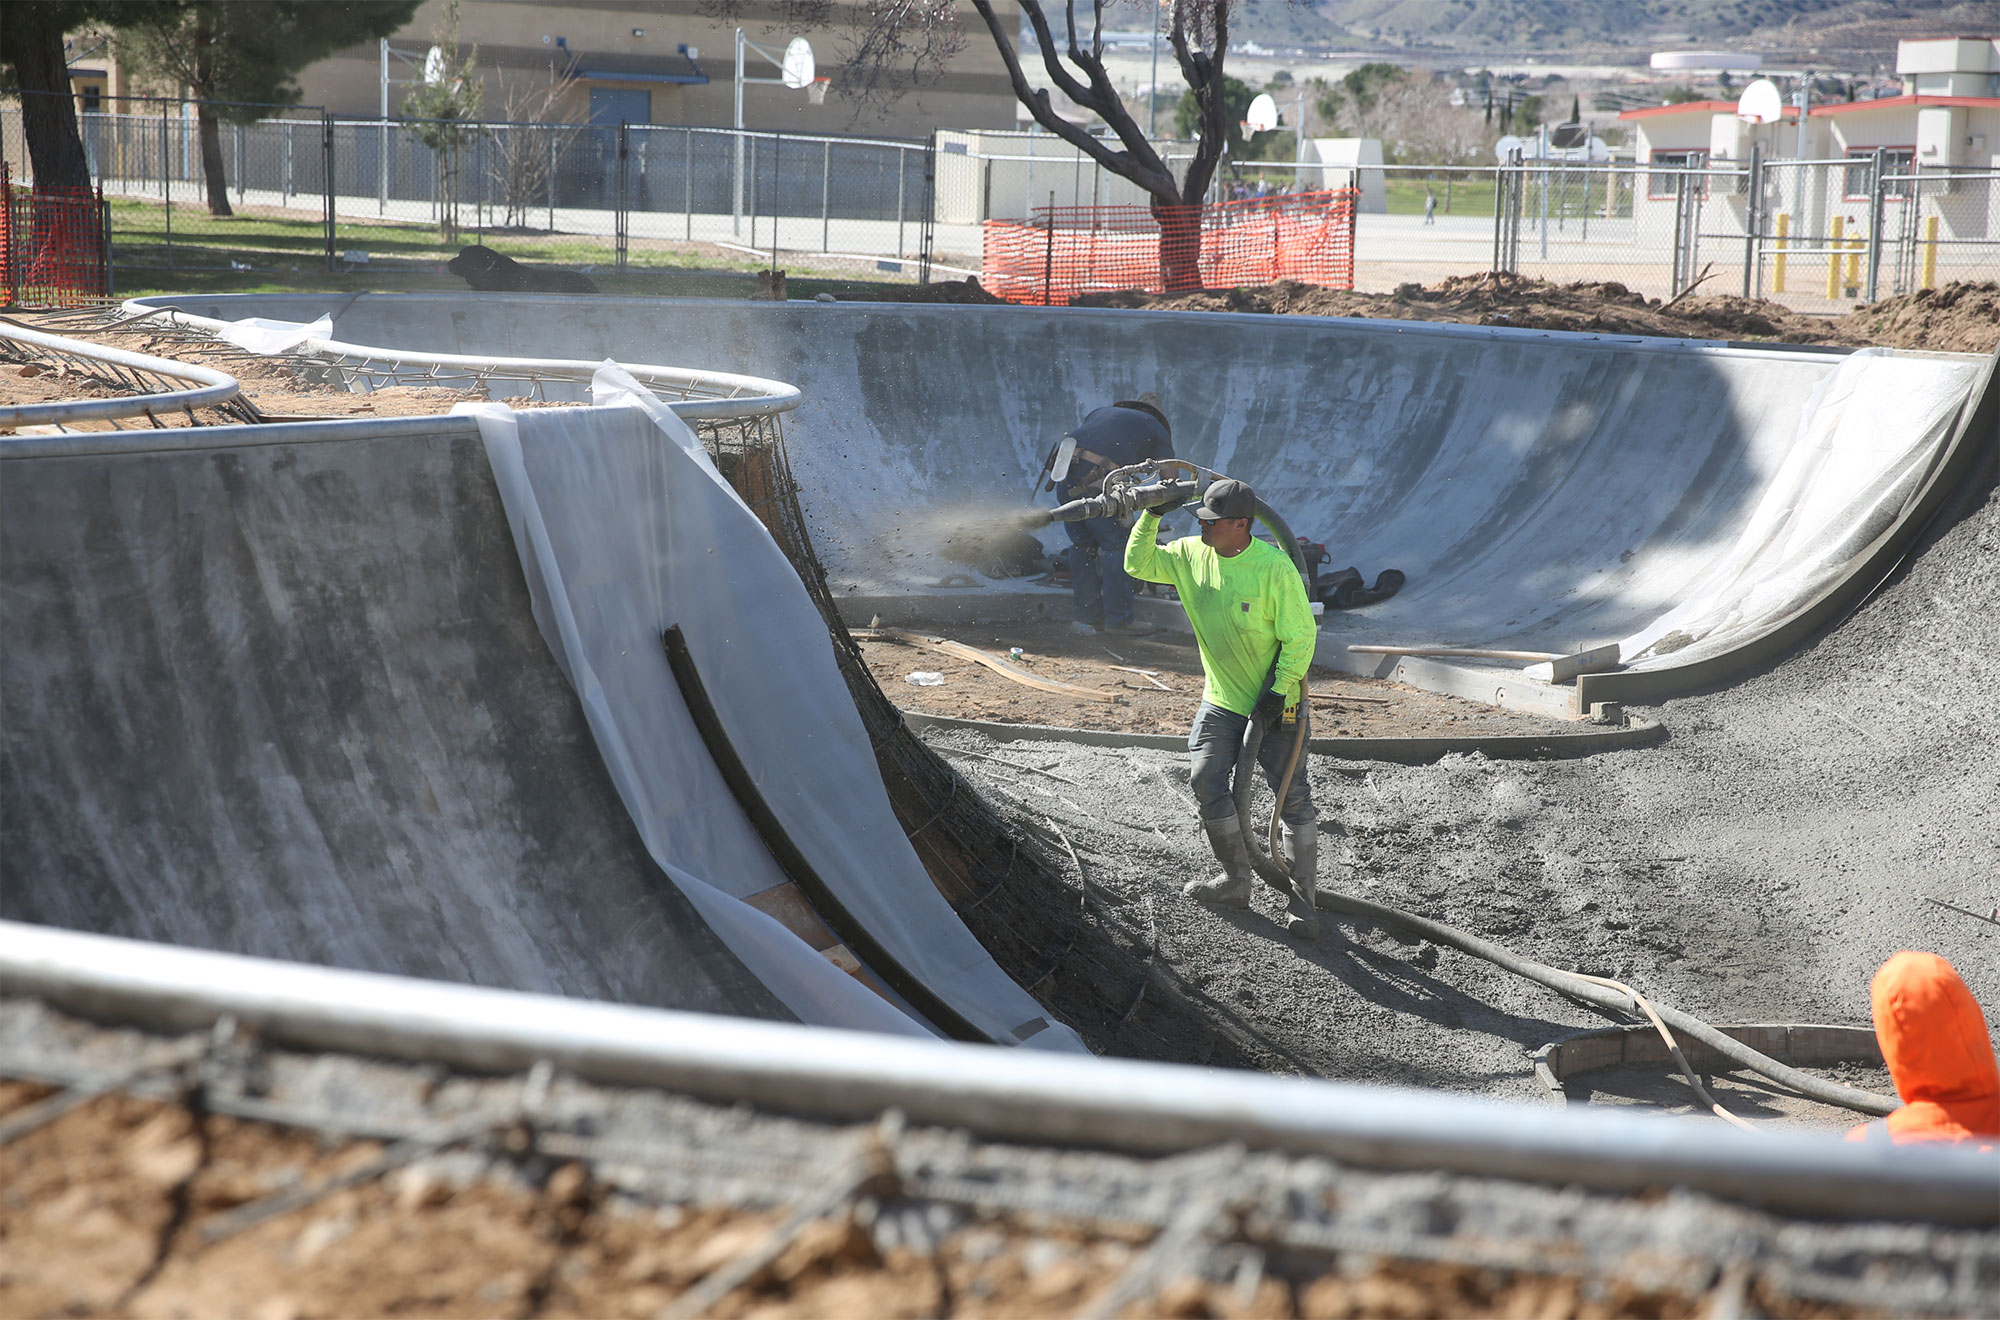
(1009, 885)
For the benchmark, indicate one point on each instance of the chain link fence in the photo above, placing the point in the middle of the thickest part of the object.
(625, 189)
(182, 190)
(304, 192)
(1817, 236)
(300, 190)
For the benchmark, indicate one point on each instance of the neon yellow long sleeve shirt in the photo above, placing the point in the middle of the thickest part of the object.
(1245, 610)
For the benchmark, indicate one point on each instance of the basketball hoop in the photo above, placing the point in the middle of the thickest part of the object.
(1263, 115)
(816, 91)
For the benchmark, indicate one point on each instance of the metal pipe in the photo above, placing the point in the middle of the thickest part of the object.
(1013, 1095)
(731, 395)
(214, 387)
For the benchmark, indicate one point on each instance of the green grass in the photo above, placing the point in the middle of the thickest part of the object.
(262, 250)
(1468, 197)
(1475, 197)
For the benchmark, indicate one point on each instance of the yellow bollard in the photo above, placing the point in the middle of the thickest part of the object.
(1833, 247)
(1854, 246)
(1778, 265)
(1929, 280)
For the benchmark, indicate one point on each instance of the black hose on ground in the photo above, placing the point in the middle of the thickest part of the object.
(1572, 986)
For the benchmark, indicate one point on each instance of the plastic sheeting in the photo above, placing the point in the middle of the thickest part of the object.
(625, 529)
(1866, 437)
(262, 335)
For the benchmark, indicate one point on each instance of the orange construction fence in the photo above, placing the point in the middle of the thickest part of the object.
(54, 245)
(1062, 252)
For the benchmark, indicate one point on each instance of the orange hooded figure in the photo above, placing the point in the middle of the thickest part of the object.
(1935, 1042)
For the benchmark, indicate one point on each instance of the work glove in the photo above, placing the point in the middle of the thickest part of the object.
(1269, 710)
(1176, 502)
(1273, 709)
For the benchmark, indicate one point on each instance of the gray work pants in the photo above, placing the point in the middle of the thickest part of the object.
(1214, 743)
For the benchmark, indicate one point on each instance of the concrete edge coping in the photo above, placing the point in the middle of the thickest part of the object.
(1409, 751)
(1801, 1044)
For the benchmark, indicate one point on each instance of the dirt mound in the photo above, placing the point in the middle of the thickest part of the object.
(1963, 318)
(1959, 318)
(1590, 307)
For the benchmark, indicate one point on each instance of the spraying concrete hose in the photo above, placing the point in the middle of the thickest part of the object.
(1172, 482)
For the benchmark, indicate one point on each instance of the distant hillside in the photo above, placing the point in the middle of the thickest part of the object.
(1863, 28)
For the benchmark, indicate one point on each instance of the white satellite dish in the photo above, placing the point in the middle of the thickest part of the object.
(433, 66)
(1504, 149)
(1760, 103)
(797, 70)
(1262, 115)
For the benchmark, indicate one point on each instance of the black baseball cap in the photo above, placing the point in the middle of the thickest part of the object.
(1227, 498)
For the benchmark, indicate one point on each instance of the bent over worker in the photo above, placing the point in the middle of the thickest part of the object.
(1255, 630)
(1129, 431)
(1935, 1043)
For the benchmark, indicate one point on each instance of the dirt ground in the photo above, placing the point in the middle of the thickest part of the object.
(1958, 318)
(1157, 685)
(109, 1211)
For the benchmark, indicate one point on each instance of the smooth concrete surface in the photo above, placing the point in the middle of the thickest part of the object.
(289, 700)
(1542, 491)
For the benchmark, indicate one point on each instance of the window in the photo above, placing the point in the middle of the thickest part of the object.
(1662, 186)
(1860, 185)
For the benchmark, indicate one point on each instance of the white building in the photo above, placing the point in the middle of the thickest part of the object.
(1939, 146)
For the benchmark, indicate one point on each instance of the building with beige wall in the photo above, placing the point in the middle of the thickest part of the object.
(1944, 131)
(662, 62)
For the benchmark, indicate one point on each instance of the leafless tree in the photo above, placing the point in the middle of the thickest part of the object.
(894, 45)
(539, 129)
(1199, 33)
(1419, 125)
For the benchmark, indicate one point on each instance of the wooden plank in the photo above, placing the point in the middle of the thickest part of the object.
(792, 910)
(993, 662)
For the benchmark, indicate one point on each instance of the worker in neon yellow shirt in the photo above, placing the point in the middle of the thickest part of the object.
(1256, 632)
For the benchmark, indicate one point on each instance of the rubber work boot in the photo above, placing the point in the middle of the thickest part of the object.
(1232, 887)
(1301, 851)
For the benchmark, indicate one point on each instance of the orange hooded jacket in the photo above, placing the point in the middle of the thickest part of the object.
(1935, 1042)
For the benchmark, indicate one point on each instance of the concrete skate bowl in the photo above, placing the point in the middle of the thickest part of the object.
(1705, 505)
(358, 694)
(891, 438)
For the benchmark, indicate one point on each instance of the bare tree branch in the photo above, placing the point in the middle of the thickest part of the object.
(1037, 101)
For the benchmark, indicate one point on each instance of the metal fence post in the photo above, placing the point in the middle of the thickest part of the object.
(687, 180)
(929, 232)
(1499, 210)
(326, 161)
(552, 182)
(1875, 225)
(621, 216)
(825, 192)
(167, 183)
(104, 236)
(239, 163)
(1753, 224)
(901, 170)
(777, 192)
(1049, 253)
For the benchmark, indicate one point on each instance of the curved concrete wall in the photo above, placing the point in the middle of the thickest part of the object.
(1542, 491)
